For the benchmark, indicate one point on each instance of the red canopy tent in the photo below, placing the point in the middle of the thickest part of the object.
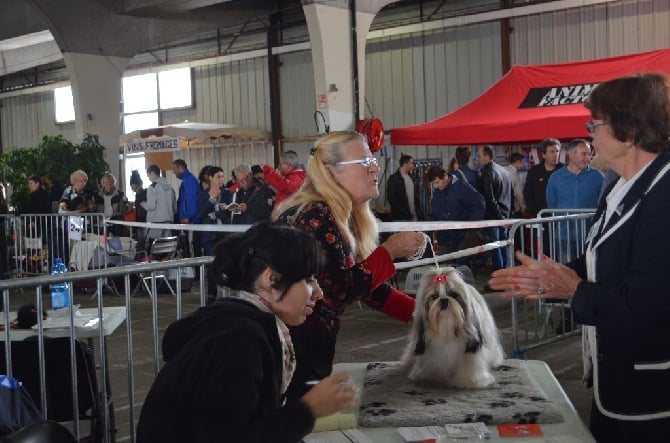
(530, 103)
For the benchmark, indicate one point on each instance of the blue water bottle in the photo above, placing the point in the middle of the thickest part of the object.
(60, 292)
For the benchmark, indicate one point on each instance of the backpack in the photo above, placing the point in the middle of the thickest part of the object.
(17, 409)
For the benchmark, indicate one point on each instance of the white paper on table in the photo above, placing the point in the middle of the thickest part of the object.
(420, 433)
(61, 319)
(343, 436)
(554, 439)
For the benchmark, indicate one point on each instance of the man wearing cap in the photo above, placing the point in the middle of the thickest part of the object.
(253, 201)
(288, 178)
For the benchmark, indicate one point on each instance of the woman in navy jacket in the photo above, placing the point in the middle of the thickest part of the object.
(618, 288)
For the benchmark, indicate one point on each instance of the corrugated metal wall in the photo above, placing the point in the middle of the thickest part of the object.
(409, 79)
(591, 32)
(233, 93)
(416, 78)
(25, 119)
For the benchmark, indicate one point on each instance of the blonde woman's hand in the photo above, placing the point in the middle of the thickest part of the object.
(403, 244)
(330, 395)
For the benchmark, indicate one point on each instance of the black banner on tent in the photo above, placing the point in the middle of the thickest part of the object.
(557, 95)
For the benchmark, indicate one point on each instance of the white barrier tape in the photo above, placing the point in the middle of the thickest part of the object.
(443, 225)
(453, 255)
(181, 227)
(383, 226)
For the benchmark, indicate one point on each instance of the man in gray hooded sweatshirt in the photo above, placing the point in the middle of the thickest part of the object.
(160, 205)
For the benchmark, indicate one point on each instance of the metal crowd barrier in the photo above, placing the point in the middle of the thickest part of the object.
(38, 239)
(562, 238)
(108, 319)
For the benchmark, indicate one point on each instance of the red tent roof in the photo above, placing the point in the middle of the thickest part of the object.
(530, 103)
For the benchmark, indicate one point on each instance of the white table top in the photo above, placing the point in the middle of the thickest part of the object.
(572, 428)
(113, 317)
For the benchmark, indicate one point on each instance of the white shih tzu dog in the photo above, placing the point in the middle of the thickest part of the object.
(454, 339)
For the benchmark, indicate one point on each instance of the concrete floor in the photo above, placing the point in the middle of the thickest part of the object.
(366, 335)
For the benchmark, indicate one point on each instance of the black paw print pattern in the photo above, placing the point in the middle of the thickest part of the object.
(375, 409)
(501, 404)
(540, 399)
(414, 393)
(471, 418)
(511, 395)
(373, 382)
(503, 368)
(527, 417)
(434, 401)
(376, 365)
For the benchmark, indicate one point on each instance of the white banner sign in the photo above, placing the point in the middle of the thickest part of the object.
(153, 145)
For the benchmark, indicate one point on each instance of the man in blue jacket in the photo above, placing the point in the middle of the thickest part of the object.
(577, 186)
(187, 202)
(454, 199)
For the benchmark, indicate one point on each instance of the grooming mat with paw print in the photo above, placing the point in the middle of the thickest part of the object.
(390, 399)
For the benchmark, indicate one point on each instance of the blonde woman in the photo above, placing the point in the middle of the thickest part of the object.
(75, 197)
(333, 205)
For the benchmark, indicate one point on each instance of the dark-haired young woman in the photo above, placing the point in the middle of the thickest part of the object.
(228, 365)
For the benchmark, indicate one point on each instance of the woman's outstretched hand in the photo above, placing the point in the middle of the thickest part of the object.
(535, 279)
(330, 395)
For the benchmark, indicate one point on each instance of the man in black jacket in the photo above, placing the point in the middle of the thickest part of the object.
(401, 193)
(535, 189)
(497, 191)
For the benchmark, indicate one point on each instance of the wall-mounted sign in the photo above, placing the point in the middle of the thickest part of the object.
(153, 145)
(322, 101)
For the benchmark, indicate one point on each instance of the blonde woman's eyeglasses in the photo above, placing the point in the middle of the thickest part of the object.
(365, 162)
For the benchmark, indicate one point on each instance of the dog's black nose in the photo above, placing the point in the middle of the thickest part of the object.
(444, 303)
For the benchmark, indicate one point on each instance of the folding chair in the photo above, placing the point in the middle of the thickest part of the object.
(161, 249)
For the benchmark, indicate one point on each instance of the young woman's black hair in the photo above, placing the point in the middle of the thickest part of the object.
(240, 258)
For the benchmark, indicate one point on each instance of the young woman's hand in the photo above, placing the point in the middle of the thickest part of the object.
(330, 395)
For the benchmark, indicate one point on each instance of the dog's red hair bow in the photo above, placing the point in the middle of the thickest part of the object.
(440, 278)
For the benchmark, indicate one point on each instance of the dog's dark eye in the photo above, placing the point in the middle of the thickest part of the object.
(434, 296)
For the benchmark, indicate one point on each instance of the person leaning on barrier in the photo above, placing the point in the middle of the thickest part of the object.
(333, 205)
(454, 199)
(227, 366)
(618, 287)
(76, 198)
(110, 201)
(39, 202)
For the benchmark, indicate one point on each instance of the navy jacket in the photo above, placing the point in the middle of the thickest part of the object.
(459, 201)
(629, 302)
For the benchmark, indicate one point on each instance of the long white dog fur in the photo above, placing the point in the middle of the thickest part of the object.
(453, 339)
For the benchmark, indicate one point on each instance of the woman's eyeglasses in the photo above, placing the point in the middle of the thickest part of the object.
(592, 125)
(365, 162)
